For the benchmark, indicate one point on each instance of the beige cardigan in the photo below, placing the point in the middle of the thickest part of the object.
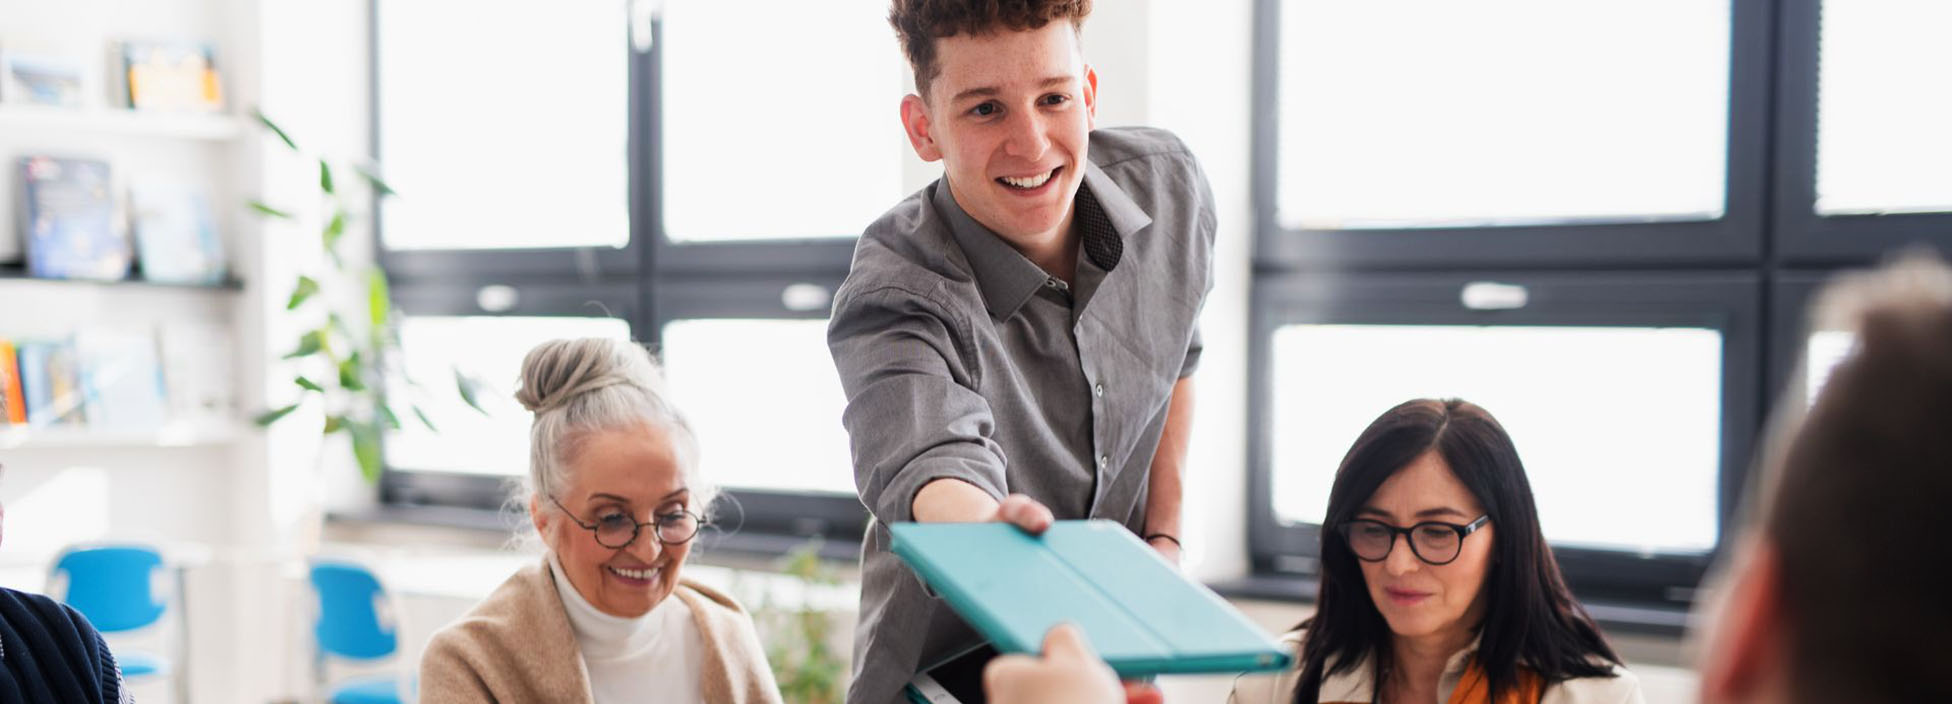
(517, 646)
(1279, 687)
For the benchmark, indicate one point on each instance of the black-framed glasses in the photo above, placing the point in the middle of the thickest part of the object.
(617, 530)
(1434, 542)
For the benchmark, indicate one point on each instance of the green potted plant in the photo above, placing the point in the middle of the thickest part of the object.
(349, 346)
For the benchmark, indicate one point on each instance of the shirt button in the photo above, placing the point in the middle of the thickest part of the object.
(1104, 460)
(1099, 390)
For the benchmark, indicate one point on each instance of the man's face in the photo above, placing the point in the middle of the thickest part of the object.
(1009, 116)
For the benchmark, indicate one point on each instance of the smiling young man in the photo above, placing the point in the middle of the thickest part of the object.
(1016, 340)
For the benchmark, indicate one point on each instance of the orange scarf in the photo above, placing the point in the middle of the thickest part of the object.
(1474, 688)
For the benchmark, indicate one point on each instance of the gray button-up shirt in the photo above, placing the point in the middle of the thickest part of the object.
(962, 359)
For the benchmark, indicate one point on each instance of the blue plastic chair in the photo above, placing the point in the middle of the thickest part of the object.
(349, 627)
(111, 586)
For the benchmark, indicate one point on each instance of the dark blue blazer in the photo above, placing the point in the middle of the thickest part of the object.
(51, 654)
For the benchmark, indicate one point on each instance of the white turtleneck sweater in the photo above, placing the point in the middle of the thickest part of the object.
(656, 657)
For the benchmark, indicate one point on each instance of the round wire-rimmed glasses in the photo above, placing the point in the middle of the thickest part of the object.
(618, 530)
(1433, 542)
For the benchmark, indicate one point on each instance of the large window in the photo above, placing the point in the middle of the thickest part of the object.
(1578, 243)
(1862, 133)
(1567, 395)
(1420, 133)
(1622, 391)
(636, 170)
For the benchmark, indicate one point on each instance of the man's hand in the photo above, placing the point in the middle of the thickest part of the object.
(957, 501)
(1034, 518)
(1069, 672)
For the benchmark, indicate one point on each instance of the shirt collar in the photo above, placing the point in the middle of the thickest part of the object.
(1006, 278)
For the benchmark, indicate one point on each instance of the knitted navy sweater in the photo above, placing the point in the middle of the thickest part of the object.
(51, 654)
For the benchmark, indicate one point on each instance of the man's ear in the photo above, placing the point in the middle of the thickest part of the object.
(535, 515)
(1091, 96)
(1745, 648)
(921, 131)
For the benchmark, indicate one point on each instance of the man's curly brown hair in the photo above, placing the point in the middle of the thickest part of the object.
(918, 23)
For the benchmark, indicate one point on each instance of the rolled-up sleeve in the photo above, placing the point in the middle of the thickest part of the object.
(913, 415)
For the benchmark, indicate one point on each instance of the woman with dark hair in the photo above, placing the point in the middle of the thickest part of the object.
(1437, 585)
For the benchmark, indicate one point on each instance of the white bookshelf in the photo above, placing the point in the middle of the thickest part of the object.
(207, 127)
(179, 435)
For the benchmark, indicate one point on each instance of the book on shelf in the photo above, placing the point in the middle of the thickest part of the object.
(121, 380)
(172, 76)
(30, 77)
(50, 383)
(13, 404)
(198, 373)
(175, 240)
(67, 220)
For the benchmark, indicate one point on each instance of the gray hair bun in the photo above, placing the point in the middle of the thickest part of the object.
(557, 372)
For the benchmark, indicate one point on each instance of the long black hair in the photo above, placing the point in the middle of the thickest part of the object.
(1530, 616)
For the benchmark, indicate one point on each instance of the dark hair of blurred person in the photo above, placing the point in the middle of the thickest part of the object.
(1841, 593)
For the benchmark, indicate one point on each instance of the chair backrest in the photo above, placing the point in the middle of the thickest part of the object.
(349, 621)
(111, 585)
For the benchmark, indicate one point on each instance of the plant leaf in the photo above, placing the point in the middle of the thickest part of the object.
(366, 448)
(268, 417)
(424, 420)
(386, 414)
(311, 343)
(379, 187)
(378, 304)
(304, 290)
(325, 176)
(350, 373)
(275, 129)
(268, 210)
(469, 388)
(334, 424)
(333, 231)
(308, 384)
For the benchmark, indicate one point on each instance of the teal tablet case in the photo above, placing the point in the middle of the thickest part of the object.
(1139, 613)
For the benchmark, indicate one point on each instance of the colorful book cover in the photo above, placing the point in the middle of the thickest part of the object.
(172, 76)
(13, 404)
(69, 220)
(121, 380)
(175, 240)
(50, 383)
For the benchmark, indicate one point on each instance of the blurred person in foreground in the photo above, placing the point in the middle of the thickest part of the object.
(49, 654)
(1838, 593)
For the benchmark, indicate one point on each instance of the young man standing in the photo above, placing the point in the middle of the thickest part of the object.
(1017, 339)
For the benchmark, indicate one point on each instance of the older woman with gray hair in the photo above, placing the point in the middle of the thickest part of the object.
(614, 493)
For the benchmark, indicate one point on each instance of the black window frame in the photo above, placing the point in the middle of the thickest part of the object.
(838, 519)
(1735, 237)
(649, 282)
(1802, 236)
(1729, 302)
